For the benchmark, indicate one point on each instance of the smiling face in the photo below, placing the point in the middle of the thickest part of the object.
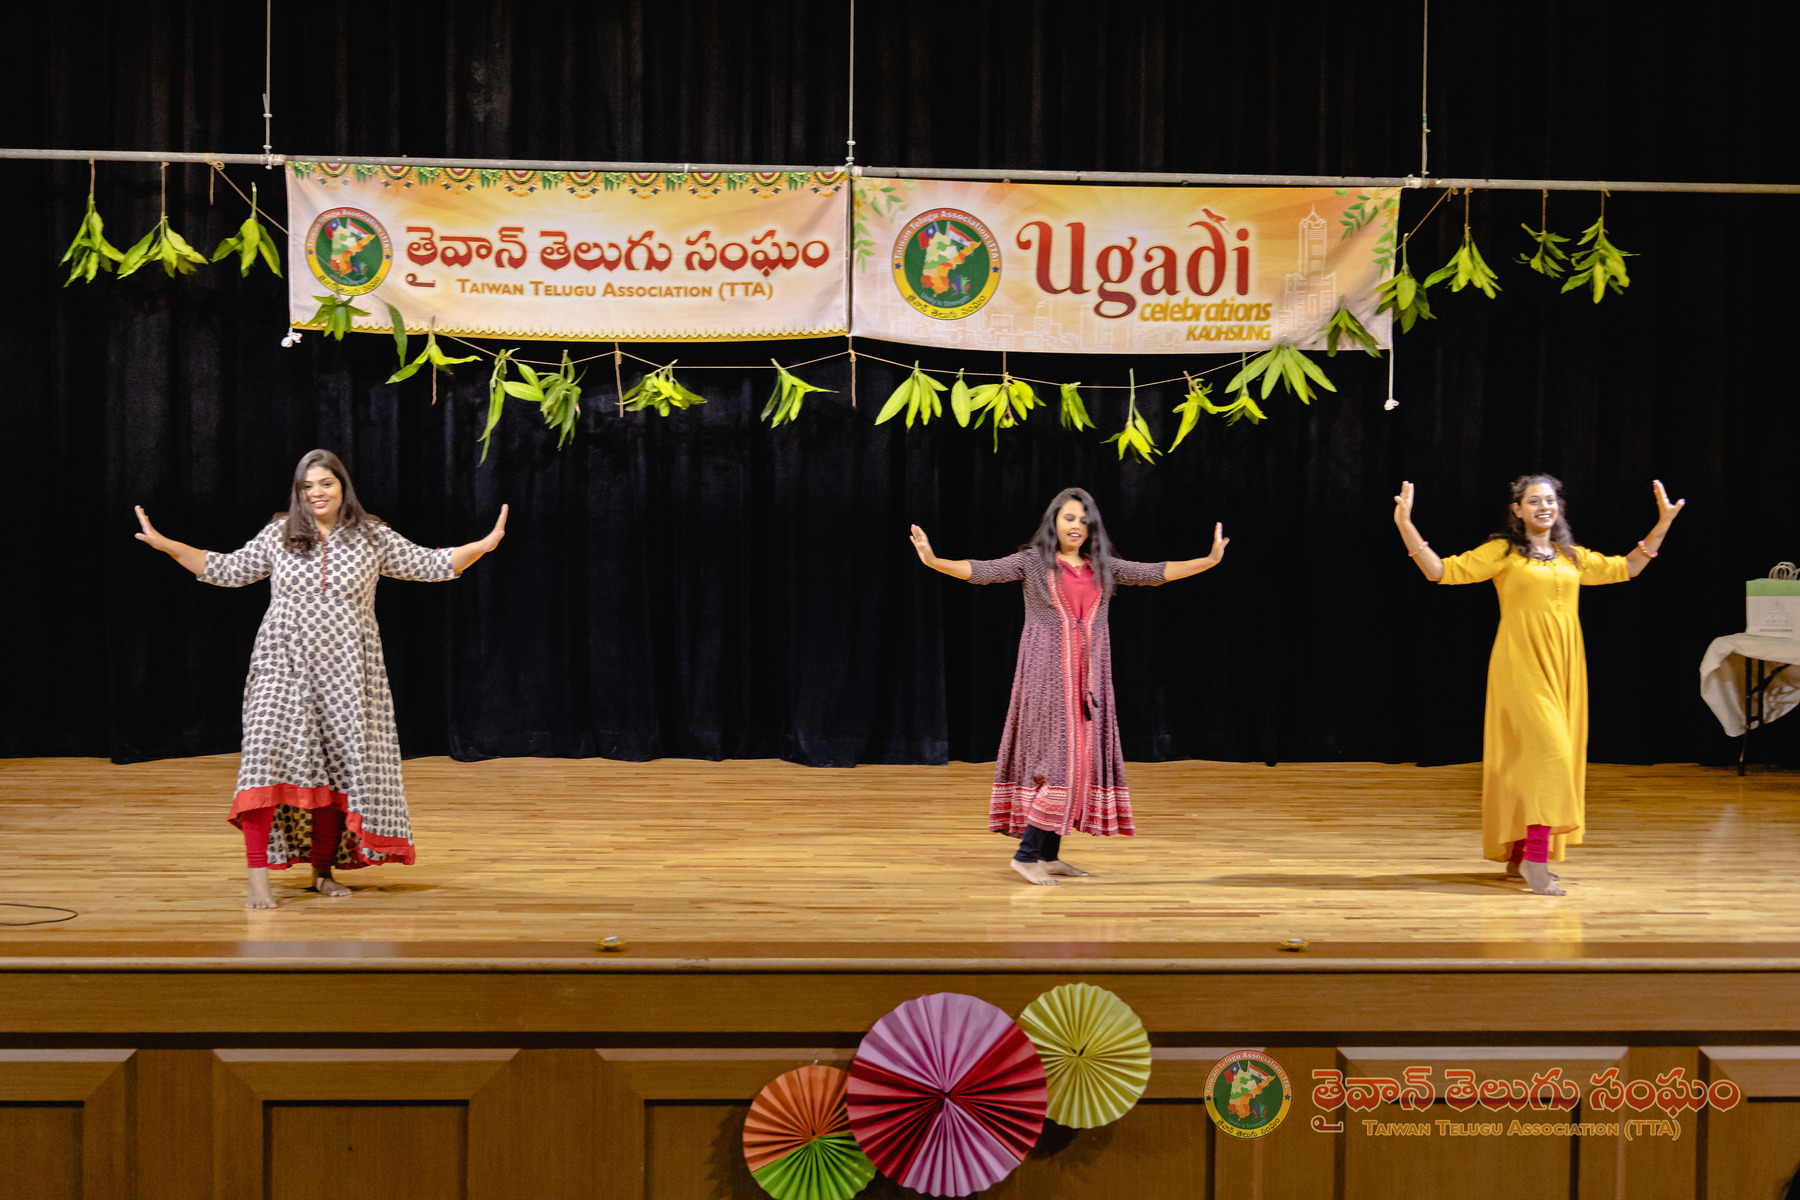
(1537, 509)
(1071, 527)
(323, 496)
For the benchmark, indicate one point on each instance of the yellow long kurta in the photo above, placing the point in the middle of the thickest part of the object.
(1534, 742)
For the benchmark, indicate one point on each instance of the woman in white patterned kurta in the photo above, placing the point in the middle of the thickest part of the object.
(320, 770)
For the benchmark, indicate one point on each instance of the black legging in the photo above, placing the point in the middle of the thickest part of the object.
(1038, 845)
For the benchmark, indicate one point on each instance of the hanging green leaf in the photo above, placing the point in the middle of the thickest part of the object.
(1550, 259)
(918, 396)
(497, 393)
(251, 240)
(1001, 405)
(790, 392)
(1466, 267)
(1136, 434)
(560, 398)
(1286, 363)
(335, 314)
(399, 332)
(1403, 296)
(1601, 265)
(90, 253)
(1344, 325)
(438, 360)
(962, 401)
(660, 391)
(1074, 412)
(1190, 410)
(162, 245)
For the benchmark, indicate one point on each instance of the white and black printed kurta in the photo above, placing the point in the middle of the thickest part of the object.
(318, 716)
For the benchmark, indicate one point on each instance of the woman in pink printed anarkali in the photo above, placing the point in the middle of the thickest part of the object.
(1060, 767)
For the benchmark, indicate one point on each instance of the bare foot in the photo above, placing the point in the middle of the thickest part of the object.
(1512, 872)
(1062, 868)
(256, 894)
(325, 885)
(1034, 873)
(1538, 876)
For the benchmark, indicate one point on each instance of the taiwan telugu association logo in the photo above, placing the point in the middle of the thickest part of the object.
(946, 263)
(349, 251)
(1247, 1094)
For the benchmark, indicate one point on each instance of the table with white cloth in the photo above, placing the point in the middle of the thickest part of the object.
(1744, 679)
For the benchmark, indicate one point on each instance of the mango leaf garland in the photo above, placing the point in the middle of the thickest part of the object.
(660, 391)
(917, 396)
(1074, 412)
(1002, 404)
(1466, 267)
(1136, 434)
(1601, 265)
(251, 240)
(561, 402)
(1550, 260)
(430, 354)
(162, 245)
(1286, 363)
(789, 394)
(335, 314)
(399, 333)
(1344, 326)
(1190, 410)
(1403, 296)
(90, 253)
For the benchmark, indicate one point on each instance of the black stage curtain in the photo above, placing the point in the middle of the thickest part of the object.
(703, 586)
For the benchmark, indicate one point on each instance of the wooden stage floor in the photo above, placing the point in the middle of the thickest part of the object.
(754, 859)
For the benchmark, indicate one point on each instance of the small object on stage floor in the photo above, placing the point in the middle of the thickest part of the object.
(1291, 944)
(610, 942)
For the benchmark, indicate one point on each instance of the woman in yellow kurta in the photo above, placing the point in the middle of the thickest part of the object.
(1534, 743)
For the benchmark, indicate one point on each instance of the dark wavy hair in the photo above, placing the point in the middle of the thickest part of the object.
(1514, 531)
(1095, 547)
(302, 531)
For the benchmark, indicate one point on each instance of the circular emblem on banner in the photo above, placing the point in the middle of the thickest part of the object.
(349, 251)
(1247, 1094)
(946, 263)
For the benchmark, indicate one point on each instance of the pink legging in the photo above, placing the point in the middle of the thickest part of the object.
(1535, 848)
(328, 826)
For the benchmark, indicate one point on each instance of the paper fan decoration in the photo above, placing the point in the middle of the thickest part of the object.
(1095, 1052)
(797, 1138)
(946, 1095)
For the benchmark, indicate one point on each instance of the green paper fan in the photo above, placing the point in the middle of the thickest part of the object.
(826, 1168)
(1096, 1054)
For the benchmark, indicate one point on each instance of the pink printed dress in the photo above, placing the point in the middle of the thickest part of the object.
(318, 716)
(1060, 766)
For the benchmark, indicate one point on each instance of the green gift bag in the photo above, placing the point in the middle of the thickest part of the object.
(1772, 605)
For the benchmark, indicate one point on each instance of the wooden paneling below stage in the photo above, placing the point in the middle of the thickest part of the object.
(452, 1031)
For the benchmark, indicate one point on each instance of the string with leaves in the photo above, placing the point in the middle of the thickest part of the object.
(251, 241)
(789, 394)
(90, 253)
(1466, 267)
(1602, 265)
(162, 244)
(1550, 259)
(1136, 435)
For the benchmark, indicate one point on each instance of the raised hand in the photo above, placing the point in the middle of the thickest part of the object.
(922, 545)
(149, 533)
(1665, 511)
(194, 560)
(498, 532)
(1403, 504)
(464, 556)
(1220, 541)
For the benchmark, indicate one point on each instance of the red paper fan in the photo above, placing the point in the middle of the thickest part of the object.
(946, 1095)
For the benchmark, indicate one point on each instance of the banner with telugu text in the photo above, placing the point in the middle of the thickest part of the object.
(1121, 270)
(571, 255)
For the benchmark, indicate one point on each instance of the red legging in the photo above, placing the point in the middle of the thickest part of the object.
(328, 826)
(1535, 848)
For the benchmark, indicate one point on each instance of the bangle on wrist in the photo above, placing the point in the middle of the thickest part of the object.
(1648, 552)
(1426, 545)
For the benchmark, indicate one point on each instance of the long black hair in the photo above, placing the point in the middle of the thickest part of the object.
(1514, 531)
(1095, 547)
(302, 531)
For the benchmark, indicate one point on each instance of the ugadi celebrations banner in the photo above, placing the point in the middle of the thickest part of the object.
(570, 255)
(1138, 270)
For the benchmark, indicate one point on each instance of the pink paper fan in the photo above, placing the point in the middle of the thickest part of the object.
(946, 1095)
